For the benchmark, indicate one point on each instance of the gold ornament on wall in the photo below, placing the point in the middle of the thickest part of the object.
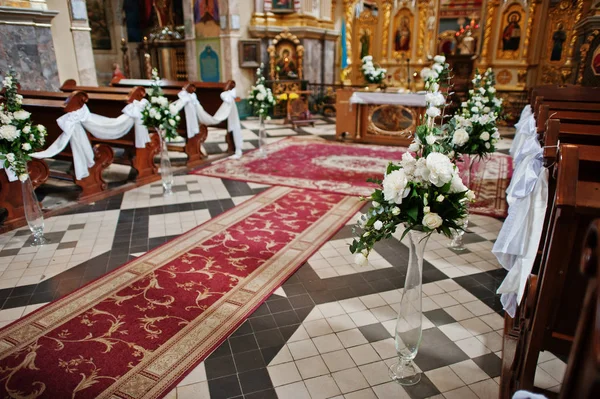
(511, 30)
(504, 77)
(529, 29)
(594, 60)
(423, 10)
(387, 15)
(489, 23)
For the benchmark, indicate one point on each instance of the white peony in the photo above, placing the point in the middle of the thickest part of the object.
(433, 112)
(26, 147)
(432, 220)
(440, 169)
(414, 147)
(440, 59)
(21, 115)
(421, 171)
(437, 68)
(485, 136)
(425, 73)
(431, 139)
(260, 96)
(408, 163)
(9, 132)
(378, 225)
(10, 157)
(457, 185)
(394, 187)
(395, 211)
(436, 99)
(460, 137)
(361, 260)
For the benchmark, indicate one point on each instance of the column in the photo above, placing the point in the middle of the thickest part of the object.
(82, 41)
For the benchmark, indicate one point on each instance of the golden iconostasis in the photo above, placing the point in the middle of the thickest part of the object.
(526, 42)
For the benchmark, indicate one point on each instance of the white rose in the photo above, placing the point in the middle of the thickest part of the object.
(157, 115)
(487, 145)
(421, 171)
(497, 102)
(375, 204)
(460, 137)
(440, 59)
(433, 112)
(154, 100)
(496, 135)
(361, 260)
(260, 96)
(457, 185)
(486, 109)
(414, 147)
(171, 122)
(425, 73)
(426, 209)
(41, 128)
(31, 137)
(395, 211)
(23, 177)
(464, 105)
(21, 115)
(440, 169)
(492, 89)
(26, 146)
(482, 90)
(470, 195)
(430, 139)
(10, 157)
(394, 187)
(440, 198)
(9, 132)
(27, 129)
(475, 110)
(432, 221)
(378, 225)
(437, 68)
(485, 136)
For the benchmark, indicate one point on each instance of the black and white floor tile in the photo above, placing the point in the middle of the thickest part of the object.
(328, 332)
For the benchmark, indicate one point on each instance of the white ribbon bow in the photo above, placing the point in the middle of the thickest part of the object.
(134, 110)
(73, 133)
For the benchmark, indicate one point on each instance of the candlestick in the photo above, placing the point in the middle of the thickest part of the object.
(408, 72)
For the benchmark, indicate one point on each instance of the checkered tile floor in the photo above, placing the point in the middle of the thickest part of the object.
(327, 332)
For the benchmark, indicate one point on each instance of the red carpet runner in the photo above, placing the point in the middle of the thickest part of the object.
(137, 331)
(311, 162)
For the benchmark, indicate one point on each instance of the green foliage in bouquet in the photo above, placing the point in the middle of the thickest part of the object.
(158, 113)
(260, 97)
(19, 138)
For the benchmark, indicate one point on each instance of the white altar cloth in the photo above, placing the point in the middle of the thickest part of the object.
(406, 99)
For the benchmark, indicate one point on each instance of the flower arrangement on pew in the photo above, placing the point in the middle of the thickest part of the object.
(428, 136)
(19, 138)
(473, 130)
(159, 114)
(261, 97)
(372, 73)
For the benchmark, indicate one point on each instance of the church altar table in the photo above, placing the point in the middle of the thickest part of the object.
(378, 117)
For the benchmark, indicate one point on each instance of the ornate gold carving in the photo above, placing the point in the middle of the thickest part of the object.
(423, 8)
(529, 29)
(578, 11)
(551, 75)
(285, 36)
(522, 77)
(391, 120)
(504, 77)
(585, 48)
(387, 15)
(349, 16)
(487, 34)
(513, 14)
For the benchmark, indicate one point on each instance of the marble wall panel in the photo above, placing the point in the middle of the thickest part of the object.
(329, 62)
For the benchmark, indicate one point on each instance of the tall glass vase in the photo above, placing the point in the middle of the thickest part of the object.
(457, 243)
(166, 172)
(33, 213)
(409, 324)
(262, 137)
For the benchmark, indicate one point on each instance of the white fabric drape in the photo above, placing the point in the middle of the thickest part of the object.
(525, 128)
(114, 128)
(519, 238)
(73, 133)
(74, 125)
(195, 114)
(12, 176)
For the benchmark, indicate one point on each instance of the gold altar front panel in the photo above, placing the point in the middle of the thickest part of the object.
(387, 123)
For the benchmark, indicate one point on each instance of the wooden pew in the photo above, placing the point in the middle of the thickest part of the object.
(111, 105)
(547, 316)
(47, 112)
(582, 377)
(11, 197)
(192, 147)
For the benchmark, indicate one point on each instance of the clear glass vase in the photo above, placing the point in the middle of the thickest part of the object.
(262, 137)
(409, 324)
(457, 243)
(33, 213)
(166, 172)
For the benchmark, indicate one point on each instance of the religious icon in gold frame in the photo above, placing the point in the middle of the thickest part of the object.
(511, 31)
(249, 53)
(282, 6)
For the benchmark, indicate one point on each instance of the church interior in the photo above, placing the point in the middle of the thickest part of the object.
(296, 199)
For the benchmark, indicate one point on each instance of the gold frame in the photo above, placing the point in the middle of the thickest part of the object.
(508, 11)
(285, 36)
(403, 12)
(372, 129)
(248, 64)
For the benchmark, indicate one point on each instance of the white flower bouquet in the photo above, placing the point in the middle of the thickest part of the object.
(159, 114)
(473, 131)
(19, 138)
(372, 73)
(261, 97)
(422, 193)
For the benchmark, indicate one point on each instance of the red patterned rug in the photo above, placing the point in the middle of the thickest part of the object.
(314, 163)
(137, 331)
